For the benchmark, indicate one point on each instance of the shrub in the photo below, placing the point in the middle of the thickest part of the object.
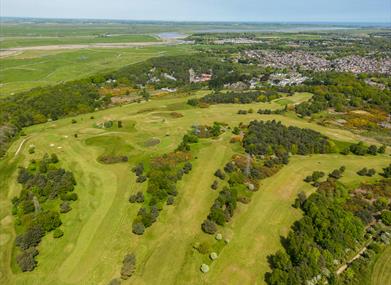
(54, 158)
(336, 174)
(58, 233)
(111, 159)
(128, 266)
(381, 149)
(141, 179)
(363, 172)
(203, 248)
(209, 227)
(215, 185)
(137, 198)
(138, 169)
(187, 167)
(371, 172)
(204, 268)
(170, 200)
(138, 228)
(386, 172)
(213, 255)
(220, 174)
(69, 197)
(65, 207)
(372, 150)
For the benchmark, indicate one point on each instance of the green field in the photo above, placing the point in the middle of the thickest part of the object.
(30, 69)
(98, 229)
(11, 42)
(381, 274)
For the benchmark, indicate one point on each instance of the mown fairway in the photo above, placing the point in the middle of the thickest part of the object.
(381, 274)
(98, 229)
(29, 69)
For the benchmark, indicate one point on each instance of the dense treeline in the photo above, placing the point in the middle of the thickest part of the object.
(47, 191)
(336, 224)
(271, 137)
(342, 91)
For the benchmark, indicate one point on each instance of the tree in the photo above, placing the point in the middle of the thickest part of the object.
(215, 185)
(26, 259)
(386, 172)
(209, 227)
(65, 207)
(372, 150)
(32, 237)
(382, 149)
(53, 158)
(220, 174)
(128, 266)
(138, 228)
(145, 94)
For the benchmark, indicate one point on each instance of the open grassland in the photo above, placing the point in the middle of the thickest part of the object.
(97, 232)
(30, 69)
(381, 274)
(11, 42)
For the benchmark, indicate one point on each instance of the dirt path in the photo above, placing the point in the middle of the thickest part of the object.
(20, 146)
(343, 267)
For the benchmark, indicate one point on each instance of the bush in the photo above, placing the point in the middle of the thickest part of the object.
(372, 150)
(363, 172)
(128, 266)
(141, 179)
(336, 174)
(209, 227)
(54, 158)
(203, 247)
(58, 233)
(137, 198)
(26, 259)
(65, 207)
(170, 200)
(138, 228)
(215, 185)
(213, 255)
(204, 268)
(386, 217)
(386, 172)
(220, 174)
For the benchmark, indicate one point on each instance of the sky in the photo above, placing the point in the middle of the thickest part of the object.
(204, 10)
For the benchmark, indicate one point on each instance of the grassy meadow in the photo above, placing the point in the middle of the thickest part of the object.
(11, 42)
(25, 70)
(97, 232)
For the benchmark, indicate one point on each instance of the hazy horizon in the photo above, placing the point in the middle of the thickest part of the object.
(278, 11)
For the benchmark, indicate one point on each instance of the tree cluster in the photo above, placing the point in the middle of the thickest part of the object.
(41, 182)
